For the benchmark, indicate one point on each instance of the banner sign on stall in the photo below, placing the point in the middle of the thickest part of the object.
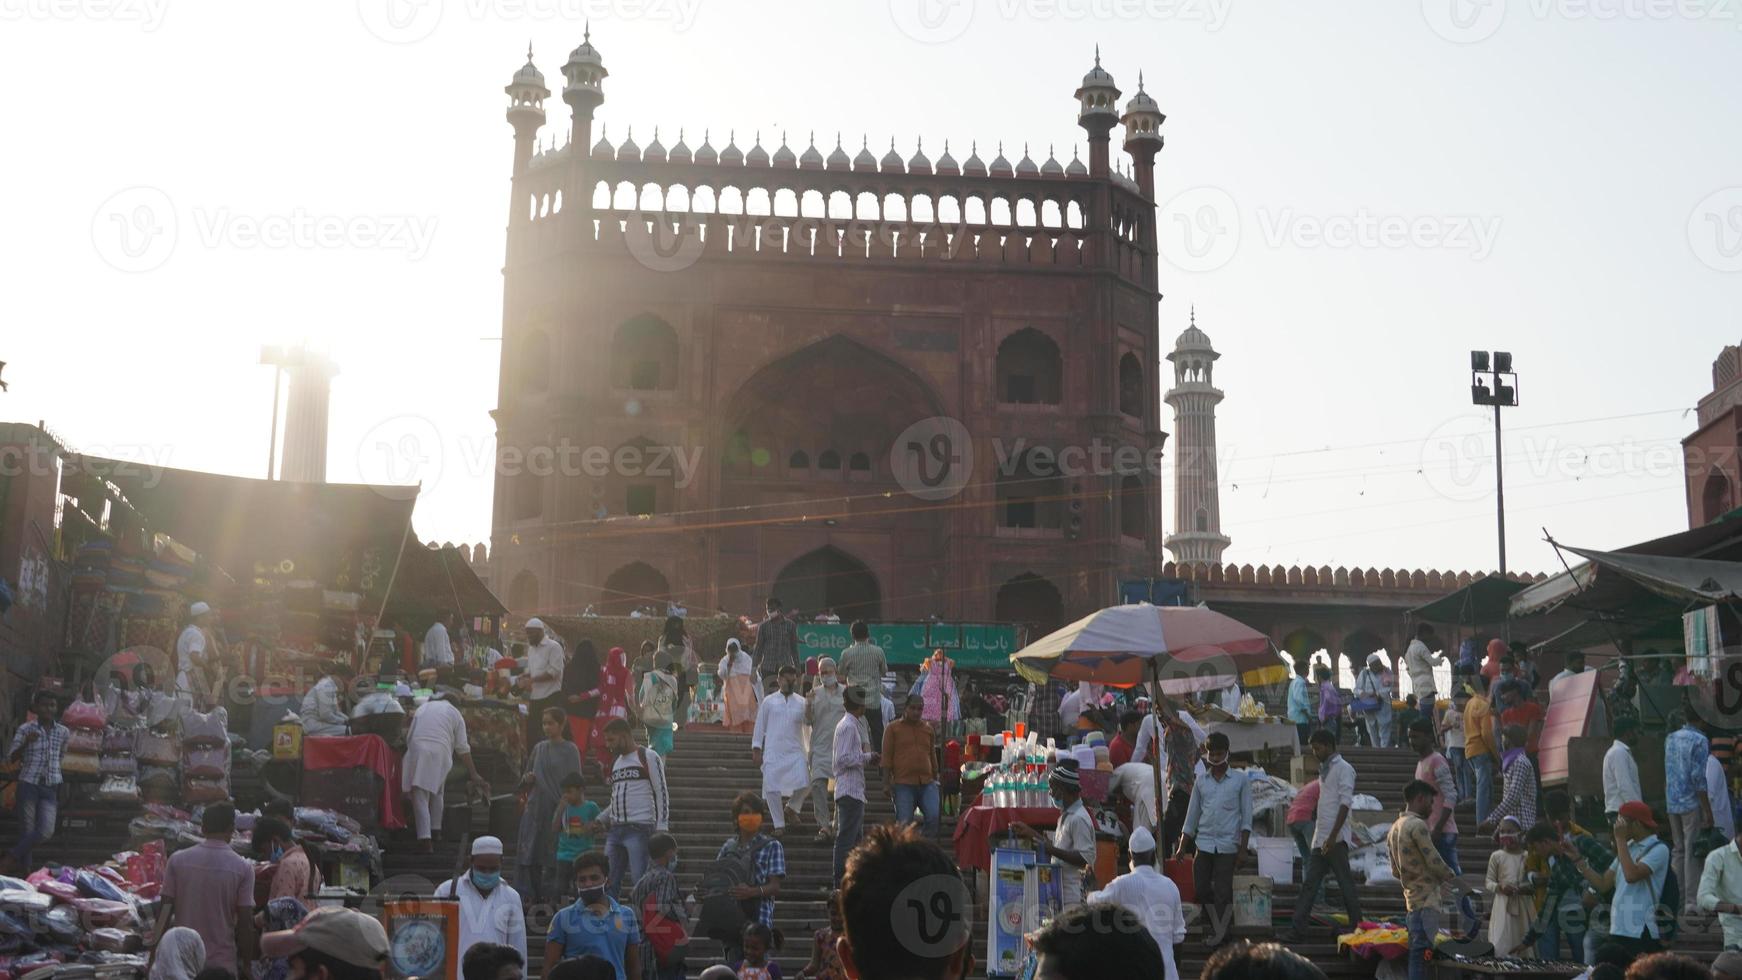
(971, 645)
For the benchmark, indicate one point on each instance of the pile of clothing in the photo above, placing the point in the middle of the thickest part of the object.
(79, 921)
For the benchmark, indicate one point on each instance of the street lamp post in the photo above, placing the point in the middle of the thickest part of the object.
(1503, 393)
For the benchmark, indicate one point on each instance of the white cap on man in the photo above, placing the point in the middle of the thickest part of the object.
(1141, 841)
(199, 609)
(535, 623)
(487, 846)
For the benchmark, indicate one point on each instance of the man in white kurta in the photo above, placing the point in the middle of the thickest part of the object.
(323, 709)
(437, 734)
(823, 710)
(438, 650)
(191, 652)
(1136, 782)
(777, 743)
(1149, 894)
(490, 910)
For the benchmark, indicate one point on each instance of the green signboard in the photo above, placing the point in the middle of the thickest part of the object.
(975, 646)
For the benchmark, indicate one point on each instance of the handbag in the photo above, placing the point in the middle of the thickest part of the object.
(199, 789)
(211, 762)
(84, 714)
(88, 741)
(157, 749)
(205, 729)
(1366, 701)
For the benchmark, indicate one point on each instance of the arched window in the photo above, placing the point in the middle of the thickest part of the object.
(523, 592)
(1201, 521)
(828, 459)
(702, 201)
(1025, 213)
(1133, 508)
(922, 207)
(1130, 386)
(1000, 211)
(859, 463)
(786, 204)
(644, 355)
(1715, 498)
(1031, 494)
(1030, 370)
(974, 211)
(840, 205)
(528, 496)
(532, 368)
(799, 460)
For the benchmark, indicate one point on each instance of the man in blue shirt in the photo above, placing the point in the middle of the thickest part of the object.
(1638, 875)
(1300, 700)
(1684, 782)
(1219, 824)
(595, 924)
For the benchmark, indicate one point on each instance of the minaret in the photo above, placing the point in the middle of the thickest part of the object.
(526, 95)
(1143, 139)
(1098, 113)
(305, 417)
(585, 77)
(1197, 536)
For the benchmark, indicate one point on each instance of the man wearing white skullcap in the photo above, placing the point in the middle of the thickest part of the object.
(544, 670)
(194, 649)
(490, 910)
(1151, 895)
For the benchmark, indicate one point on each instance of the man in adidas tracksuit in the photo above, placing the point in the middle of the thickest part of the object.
(640, 806)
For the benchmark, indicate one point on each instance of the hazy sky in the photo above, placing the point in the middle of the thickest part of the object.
(1356, 194)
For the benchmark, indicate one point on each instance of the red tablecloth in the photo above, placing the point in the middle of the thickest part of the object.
(975, 828)
(368, 751)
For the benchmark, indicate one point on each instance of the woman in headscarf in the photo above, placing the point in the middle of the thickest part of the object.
(738, 689)
(181, 954)
(551, 761)
(1373, 701)
(580, 694)
(616, 690)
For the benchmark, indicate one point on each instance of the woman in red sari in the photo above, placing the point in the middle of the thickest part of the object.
(615, 680)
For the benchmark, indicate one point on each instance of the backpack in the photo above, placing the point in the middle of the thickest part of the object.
(664, 934)
(659, 700)
(723, 917)
(1669, 901)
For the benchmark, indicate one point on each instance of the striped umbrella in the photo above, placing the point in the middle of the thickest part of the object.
(1182, 647)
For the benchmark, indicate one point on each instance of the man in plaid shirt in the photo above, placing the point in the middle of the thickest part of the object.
(1043, 711)
(39, 745)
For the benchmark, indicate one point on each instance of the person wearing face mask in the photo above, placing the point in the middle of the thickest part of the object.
(823, 710)
(777, 745)
(763, 858)
(1073, 842)
(294, 875)
(1332, 835)
(1219, 825)
(490, 910)
(596, 924)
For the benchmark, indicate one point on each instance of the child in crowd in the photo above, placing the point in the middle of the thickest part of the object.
(577, 821)
(1451, 729)
(758, 940)
(1509, 919)
(658, 899)
(825, 962)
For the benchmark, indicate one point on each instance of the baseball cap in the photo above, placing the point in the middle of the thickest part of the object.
(345, 935)
(1639, 813)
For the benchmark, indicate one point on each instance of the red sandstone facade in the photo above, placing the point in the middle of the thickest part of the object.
(1711, 467)
(780, 320)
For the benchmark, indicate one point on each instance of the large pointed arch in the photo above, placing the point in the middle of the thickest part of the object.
(1029, 598)
(632, 586)
(829, 578)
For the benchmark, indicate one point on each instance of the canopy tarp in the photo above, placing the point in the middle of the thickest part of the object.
(1481, 603)
(326, 531)
(1126, 645)
(1633, 586)
(439, 580)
